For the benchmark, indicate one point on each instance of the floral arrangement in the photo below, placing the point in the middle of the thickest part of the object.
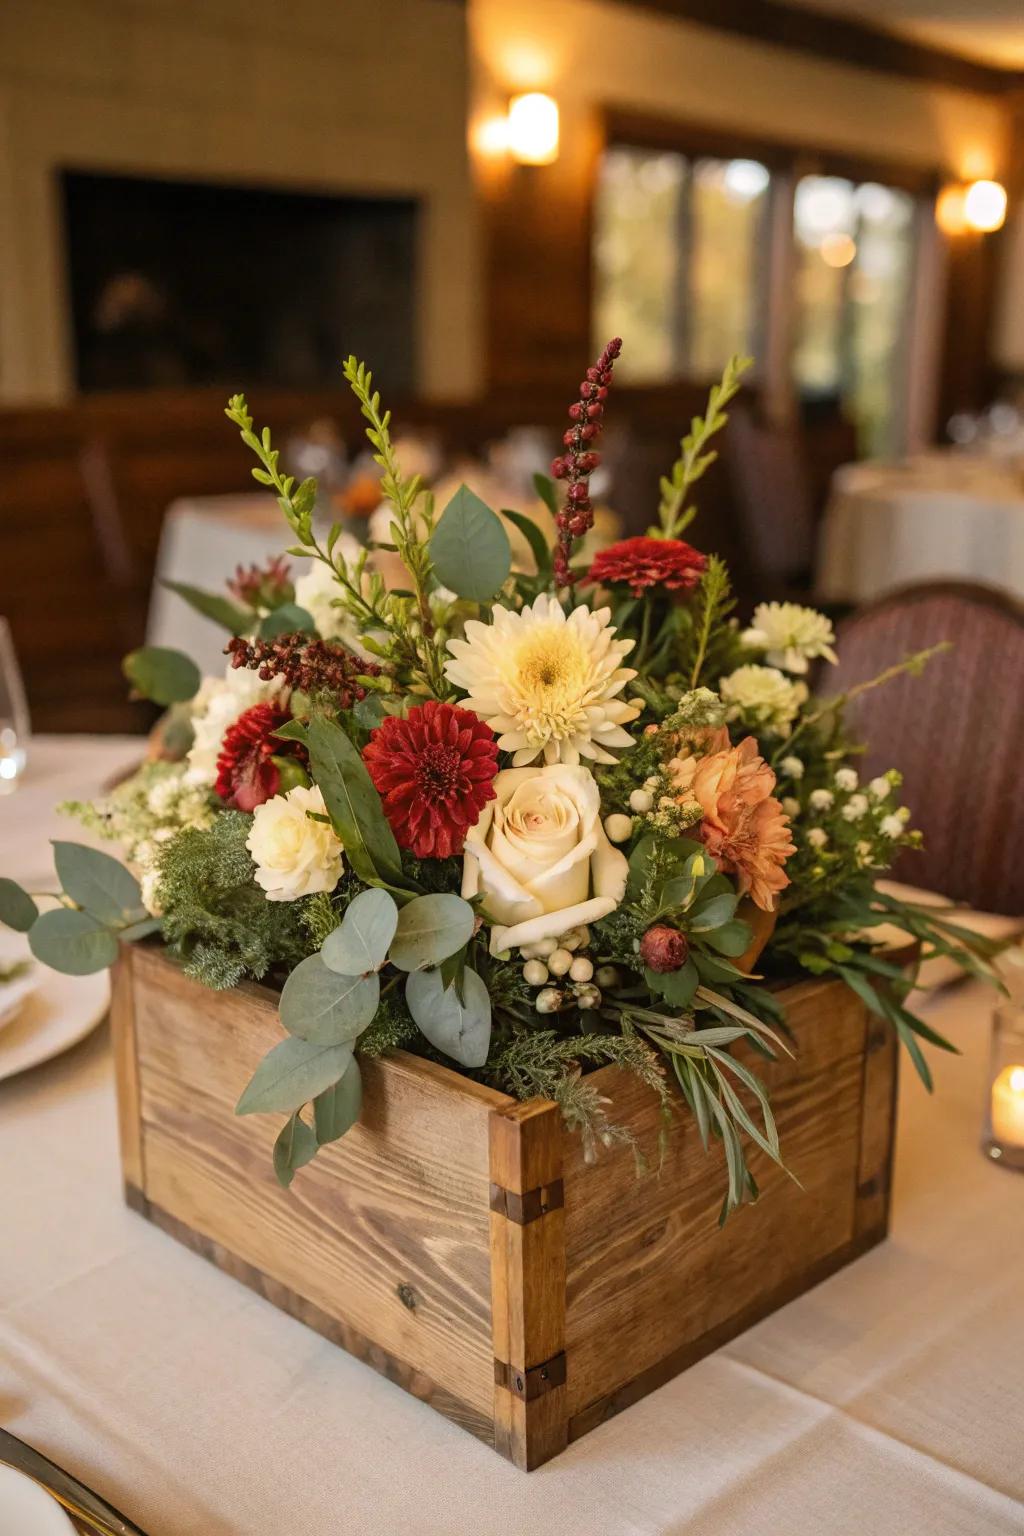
(524, 821)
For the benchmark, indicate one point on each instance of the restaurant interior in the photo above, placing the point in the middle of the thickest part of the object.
(202, 198)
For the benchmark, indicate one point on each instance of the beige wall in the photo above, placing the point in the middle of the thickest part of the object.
(344, 95)
(594, 53)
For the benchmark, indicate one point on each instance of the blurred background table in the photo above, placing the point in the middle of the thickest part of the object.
(888, 1399)
(943, 514)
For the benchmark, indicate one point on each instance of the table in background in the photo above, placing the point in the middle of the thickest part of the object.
(888, 1400)
(943, 515)
(202, 542)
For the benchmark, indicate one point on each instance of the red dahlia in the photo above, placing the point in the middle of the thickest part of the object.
(245, 774)
(644, 563)
(434, 771)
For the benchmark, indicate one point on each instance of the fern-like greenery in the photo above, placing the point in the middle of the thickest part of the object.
(217, 921)
(710, 646)
(695, 457)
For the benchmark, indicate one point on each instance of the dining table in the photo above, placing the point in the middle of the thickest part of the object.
(942, 515)
(889, 1399)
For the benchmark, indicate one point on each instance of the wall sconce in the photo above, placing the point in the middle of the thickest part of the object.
(978, 205)
(532, 136)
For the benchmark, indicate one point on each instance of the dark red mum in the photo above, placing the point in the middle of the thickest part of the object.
(644, 563)
(245, 775)
(435, 773)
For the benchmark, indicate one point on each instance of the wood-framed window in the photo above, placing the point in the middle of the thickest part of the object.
(706, 243)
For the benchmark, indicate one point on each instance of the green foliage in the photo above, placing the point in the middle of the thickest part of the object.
(162, 675)
(236, 620)
(545, 1063)
(708, 646)
(295, 1146)
(455, 1018)
(73, 942)
(287, 619)
(354, 805)
(393, 1028)
(99, 883)
(217, 920)
(695, 457)
(469, 548)
(361, 943)
(430, 928)
(320, 1006)
(336, 1110)
(17, 909)
(291, 1074)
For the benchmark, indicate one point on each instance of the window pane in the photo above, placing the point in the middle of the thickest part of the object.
(677, 261)
(638, 221)
(855, 253)
(730, 199)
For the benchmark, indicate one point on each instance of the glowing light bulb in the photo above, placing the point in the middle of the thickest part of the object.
(985, 206)
(838, 250)
(533, 128)
(1017, 1080)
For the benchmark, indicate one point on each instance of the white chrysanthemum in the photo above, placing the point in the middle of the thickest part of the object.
(790, 635)
(547, 683)
(217, 705)
(762, 696)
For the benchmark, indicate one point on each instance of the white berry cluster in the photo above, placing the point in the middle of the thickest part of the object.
(559, 960)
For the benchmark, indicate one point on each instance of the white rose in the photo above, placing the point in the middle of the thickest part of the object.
(540, 856)
(217, 706)
(294, 854)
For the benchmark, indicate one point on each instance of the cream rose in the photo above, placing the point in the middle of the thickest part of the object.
(294, 854)
(540, 856)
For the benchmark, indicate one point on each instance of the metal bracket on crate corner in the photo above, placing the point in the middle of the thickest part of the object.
(531, 1384)
(535, 1203)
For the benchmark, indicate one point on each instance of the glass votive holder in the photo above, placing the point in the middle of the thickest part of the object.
(1003, 1133)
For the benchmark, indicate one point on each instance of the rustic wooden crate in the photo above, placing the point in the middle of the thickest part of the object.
(456, 1240)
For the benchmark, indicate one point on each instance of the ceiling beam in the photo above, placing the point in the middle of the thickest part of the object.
(840, 40)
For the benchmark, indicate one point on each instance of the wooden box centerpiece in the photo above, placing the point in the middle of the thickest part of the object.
(457, 1241)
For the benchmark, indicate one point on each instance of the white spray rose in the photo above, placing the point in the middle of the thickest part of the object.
(294, 854)
(540, 856)
(217, 706)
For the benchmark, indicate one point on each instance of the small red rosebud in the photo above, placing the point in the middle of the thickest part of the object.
(664, 949)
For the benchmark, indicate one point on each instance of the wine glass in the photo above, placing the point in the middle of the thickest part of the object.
(14, 723)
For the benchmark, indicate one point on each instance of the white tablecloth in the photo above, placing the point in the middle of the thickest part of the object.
(943, 515)
(889, 1401)
(202, 542)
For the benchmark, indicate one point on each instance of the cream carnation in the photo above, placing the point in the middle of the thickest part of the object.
(547, 683)
(216, 706)
(294, 854)
(790, 636)
(762, 696)
(540, 857)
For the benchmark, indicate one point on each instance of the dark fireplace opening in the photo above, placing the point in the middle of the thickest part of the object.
(176, 283)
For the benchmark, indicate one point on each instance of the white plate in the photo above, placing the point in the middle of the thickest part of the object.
(29, 1510)
(58, 1012)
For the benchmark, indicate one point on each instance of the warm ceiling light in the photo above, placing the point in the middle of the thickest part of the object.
(985, 206)
(950, 215)
(533, 129)
(838, 250)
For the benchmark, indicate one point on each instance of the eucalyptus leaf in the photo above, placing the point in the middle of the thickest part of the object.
(75, 943)
(354, 805)
(714, 913)
(140, 930)
(17, 909)
(546, 490)
(469, 548)
(213, 606)
(361, 943)
(319, 1006)
(294, 1147)
(165, 676)
(430, 928)
(99, 883)
(291, 1074)
(461, 1028)
(676, 987)
(336, 1110)
(288, 619)
(732, 938)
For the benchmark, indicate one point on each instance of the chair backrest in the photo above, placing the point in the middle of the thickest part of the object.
(956, 732)
(770, 484)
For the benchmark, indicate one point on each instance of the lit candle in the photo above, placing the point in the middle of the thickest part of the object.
(1008, 1107)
